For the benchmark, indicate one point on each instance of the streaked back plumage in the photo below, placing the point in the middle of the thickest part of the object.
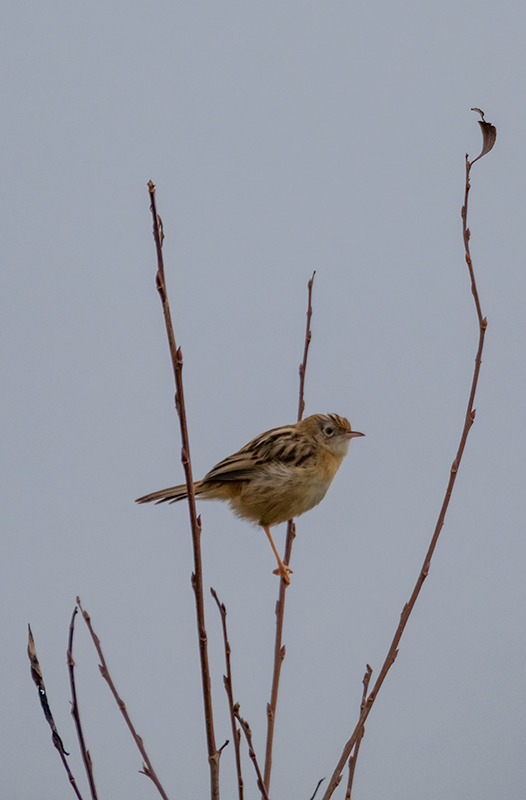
(279, 474)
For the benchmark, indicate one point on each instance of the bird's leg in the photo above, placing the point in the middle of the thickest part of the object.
(282, 569)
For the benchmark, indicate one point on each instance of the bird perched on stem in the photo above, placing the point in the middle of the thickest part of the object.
(277, 476)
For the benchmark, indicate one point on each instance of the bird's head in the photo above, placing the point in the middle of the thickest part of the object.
(333, 432)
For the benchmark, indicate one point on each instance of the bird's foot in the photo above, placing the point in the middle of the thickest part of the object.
(283, 571)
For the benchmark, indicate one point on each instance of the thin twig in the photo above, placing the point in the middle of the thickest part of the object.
(469, 419)
(227, 679)
(317, 787)
(308, 337)
(252, 753)
(147, 769)
(279, 649)
(75, 709)
(36, 674)
(354, 755)
(195, 521)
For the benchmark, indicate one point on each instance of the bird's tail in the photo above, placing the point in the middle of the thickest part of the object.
(170, 495)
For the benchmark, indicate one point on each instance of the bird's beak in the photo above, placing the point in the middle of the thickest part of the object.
(352, 434)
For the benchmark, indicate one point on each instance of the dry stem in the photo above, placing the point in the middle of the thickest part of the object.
(227, 679)
(147, 770)
(75, 709)
(489, 133)
(279, 649)
(354, 756)
(197, 576)
(252, 753)
(36, 674)
(317, 787)
(308, 337)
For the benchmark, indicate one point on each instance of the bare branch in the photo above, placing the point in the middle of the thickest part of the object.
(75, 709)
(36, 674)
(147, 769)
(197, 576)
(279, 648)
(354, 755)
(469, 419)
(317, 787)
(236, 733)
(308, 337)
(248, 734)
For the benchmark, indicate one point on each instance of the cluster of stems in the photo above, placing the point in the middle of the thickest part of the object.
(350, 751)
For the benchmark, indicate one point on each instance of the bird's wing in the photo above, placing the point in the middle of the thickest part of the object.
(284, 445)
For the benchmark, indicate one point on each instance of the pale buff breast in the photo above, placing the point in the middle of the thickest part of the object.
(280, 491)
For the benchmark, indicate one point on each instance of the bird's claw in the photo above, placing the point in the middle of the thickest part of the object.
(283, 571)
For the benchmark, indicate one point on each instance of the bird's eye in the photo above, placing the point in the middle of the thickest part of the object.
(329, 431)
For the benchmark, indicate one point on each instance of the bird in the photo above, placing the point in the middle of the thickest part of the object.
(280, 474)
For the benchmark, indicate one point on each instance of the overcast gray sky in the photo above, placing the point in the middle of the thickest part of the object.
(283, 137)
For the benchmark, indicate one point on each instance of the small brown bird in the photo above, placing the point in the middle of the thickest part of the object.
(278, 475)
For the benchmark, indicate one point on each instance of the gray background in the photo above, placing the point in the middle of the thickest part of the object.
(283, 137)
